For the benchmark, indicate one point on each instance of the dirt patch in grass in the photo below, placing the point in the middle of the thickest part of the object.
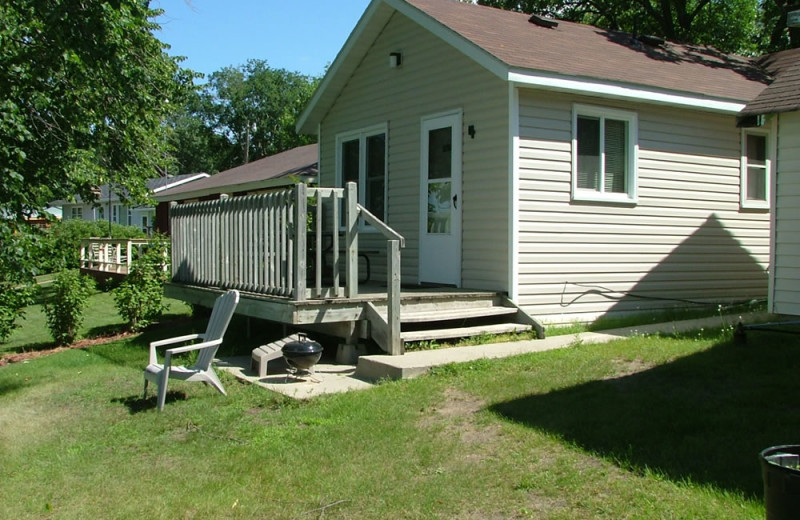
(627, 367)
(17, 357)
(456, 415)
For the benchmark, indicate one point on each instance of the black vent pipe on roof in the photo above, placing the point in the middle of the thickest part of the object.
(541, 21)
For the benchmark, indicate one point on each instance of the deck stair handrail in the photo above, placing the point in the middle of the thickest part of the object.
(111, 255)
(278, 243)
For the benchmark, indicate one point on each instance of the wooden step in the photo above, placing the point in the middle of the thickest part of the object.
(463, 332)
(455, 314)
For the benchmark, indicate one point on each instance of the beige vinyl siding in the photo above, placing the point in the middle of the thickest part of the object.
(786, 282)
(434, 78)
(685, 239)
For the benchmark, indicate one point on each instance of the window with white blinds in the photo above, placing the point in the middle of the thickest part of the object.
(604, 154)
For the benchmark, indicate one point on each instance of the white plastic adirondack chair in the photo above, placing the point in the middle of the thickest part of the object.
(201, 371)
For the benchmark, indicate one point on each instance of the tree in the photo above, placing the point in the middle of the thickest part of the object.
(730, 25)
(84, 90)
(196, 144)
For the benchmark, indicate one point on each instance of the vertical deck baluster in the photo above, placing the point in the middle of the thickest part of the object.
(336, 257)
(300, 250)
(318, 247)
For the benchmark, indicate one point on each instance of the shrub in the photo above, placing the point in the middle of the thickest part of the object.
(12, 304)
(139, 298)
(64, 311)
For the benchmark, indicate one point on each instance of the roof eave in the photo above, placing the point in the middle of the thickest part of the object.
(237, 188)
(620, 91)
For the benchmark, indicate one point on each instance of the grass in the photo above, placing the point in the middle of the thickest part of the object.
(646, 428)
(100, 319)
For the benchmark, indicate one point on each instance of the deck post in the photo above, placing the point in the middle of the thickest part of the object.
(300, 219)
(129, 252)
(393, 298)
(351, 240)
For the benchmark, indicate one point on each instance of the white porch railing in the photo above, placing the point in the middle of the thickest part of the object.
(276, 244)
(111, 255)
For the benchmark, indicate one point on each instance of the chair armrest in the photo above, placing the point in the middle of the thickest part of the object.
(178, 350)
(196, 346)
(170, 341)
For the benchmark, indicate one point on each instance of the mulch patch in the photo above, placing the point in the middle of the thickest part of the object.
(17, 357)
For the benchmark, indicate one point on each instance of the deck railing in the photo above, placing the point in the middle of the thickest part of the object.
(279, 243)
(111, 255)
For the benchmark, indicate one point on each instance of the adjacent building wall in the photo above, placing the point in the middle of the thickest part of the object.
(432, 79)
(786, 272)
(686, 239)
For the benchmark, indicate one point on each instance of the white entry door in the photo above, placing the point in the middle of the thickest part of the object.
(440, 200)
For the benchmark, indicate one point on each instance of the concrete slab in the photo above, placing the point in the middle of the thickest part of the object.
(331, 378)
(327, 378)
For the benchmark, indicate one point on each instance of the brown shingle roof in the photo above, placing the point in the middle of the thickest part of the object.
(301, 161)
(783, 95)
(585, 51)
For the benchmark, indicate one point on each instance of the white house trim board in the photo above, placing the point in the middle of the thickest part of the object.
(513, 193)
(622, 92)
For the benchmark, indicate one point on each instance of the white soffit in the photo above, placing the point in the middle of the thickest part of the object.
(628, 93)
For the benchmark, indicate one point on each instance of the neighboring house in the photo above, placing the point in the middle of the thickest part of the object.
(109, 207)
(581, 171)
(778, 106)
(279, 170)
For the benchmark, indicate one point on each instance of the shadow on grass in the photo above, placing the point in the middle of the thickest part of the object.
(702, 418)
(136, 404)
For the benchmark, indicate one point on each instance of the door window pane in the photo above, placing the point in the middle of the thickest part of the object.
(440, 146)
(375, 182)
(439, 204)
(350, 159)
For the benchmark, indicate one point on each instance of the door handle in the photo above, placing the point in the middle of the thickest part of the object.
(455, 201)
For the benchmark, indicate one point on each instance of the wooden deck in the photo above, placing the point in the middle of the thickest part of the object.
(426, 314)
(271, 248)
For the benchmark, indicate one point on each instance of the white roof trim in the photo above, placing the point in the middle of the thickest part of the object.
(182, 181)
(235, 188)
(628, 93)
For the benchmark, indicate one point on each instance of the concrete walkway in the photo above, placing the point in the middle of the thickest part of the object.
(342, 378)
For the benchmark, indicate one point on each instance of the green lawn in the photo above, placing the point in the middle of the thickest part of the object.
(101, 318)
(645, 428)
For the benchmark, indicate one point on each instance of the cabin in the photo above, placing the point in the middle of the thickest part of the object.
(777, 109)
(500, 172)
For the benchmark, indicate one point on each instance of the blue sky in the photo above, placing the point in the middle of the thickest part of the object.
(301, 36)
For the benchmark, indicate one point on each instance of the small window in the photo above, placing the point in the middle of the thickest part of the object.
(604, 149)
(756, 165)
(76, 212)
(361, 158)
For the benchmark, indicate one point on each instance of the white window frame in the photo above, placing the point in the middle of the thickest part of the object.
(76, 212)
(631, 181)
(767, 132)
(362, 135)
